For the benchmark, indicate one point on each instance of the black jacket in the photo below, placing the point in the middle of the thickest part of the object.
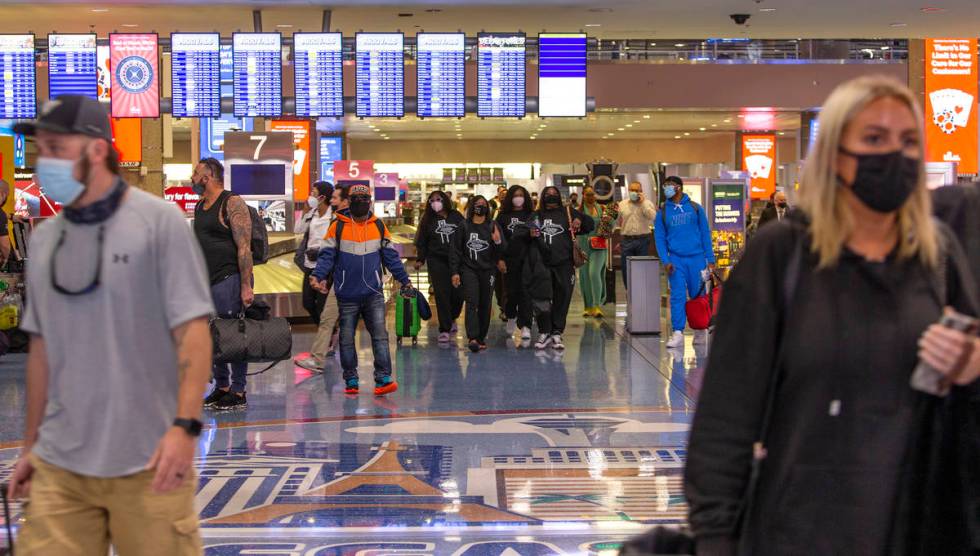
(770, 214)
(556, 238)
(514, 226)
(838, 470)
(435, 239)
(959, 208)
(474, 248)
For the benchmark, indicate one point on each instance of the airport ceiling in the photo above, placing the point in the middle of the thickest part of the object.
(687, 19)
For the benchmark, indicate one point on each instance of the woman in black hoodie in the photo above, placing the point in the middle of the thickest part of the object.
(552, 229)
(512, 218)
(478, 248)
(433, 244)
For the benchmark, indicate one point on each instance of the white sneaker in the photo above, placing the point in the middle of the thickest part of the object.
(511, 326)
(676, 341)
(543, 341)
(700, 337)
(556, 342)
(310, 364)
(525, 333)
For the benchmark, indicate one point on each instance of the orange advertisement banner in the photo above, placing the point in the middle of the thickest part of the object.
(301, 130)
(759, 160)
(127, 138)
(951, 103)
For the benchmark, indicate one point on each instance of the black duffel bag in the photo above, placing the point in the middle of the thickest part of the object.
(250, 340)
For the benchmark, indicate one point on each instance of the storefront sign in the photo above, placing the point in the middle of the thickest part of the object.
(759, 160)
(183, 197)
(951, 98)
(727, 220)
(301, 153)
(354, 170)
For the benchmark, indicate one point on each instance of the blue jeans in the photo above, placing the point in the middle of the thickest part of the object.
(685, 283)
(227, 298)
(372, 309)
(633, 247)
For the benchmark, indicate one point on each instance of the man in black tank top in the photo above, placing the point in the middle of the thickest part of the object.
(224, 229)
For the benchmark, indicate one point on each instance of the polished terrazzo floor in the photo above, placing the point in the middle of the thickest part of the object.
(505, 452)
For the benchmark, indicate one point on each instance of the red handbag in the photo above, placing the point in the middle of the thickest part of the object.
(702, 309)
(598, 242)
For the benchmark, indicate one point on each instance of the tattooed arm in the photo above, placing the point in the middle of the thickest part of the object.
(240, 223)
(174, 456)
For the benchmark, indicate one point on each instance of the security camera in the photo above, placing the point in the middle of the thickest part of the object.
(740, 19)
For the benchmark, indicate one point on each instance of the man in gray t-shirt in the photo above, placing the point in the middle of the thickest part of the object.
(118, 306)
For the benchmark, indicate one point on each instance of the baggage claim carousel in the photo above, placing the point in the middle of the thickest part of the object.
(279, 281)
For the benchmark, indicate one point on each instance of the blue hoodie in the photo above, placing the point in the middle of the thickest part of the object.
(686, 233)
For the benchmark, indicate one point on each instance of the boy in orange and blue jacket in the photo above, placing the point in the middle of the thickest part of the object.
(355, 257)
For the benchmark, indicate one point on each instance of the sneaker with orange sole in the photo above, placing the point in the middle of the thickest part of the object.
(385, 388)
(353, 387)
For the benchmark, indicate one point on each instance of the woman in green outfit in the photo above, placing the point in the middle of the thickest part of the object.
(592, 275)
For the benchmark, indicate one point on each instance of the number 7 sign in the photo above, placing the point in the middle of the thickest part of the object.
(353, 170)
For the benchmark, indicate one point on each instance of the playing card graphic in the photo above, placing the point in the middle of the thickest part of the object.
(759, 166)
(950, 109)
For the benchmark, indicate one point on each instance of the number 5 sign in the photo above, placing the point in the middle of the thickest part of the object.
(345, 170)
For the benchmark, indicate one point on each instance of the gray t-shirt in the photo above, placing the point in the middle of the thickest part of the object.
(112, 382)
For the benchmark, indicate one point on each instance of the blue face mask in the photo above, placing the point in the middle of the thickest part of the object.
(58, 180)
(670, 191)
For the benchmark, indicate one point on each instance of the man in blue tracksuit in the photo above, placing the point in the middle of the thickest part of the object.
(683, 239)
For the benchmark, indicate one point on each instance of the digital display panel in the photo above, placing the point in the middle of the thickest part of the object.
(258, 74)
(441, 75)
(562, 74)
(19, 98)
(380, 75)
(134, 72)
(195, 63)
(319, 74)
(331, 150)
(73, 66)
(501, 75)
(263, 180)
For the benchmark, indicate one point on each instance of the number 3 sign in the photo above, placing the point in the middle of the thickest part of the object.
(345, 170)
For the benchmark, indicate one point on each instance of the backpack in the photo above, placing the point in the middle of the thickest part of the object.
(381, 233)
(260, 235)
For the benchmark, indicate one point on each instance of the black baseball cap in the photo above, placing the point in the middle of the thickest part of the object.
(674, 180)
(72, 115)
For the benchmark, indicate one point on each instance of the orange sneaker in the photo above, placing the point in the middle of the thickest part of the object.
(386, 388)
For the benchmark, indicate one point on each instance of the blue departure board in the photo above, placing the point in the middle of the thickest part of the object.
(562, 74)
(319, 70)
(501, 75)
(18, 100)
(195, 62)
(380, 75)
(441, 75)
(73, 66)
(258, 74)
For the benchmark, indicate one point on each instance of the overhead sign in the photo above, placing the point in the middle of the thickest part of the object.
(441, 75)
(562, 74)
(18, 98)
(72, 65)
(301, 130)
(501, 75)
(134, 72)
(259, 164)
(319, 74)
(951, 102)
(354, 170)
(759, 160)
(195, 75)
(258, 74)
(380, 75)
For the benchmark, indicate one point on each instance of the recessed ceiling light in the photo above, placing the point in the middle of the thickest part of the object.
(767, 9)
(885, 48)
(100, 10)
(898, 24)
(593, 25)
(714, 125)
(679, 45)
(611, 134)
(653, 44)
(636, 121)
(621, 129)
(533, 138)
(130, 25)
(629, 125)
(702, 129)
(782, 133)
(933, 10)
(647, 117)
(387, 138)
(284, 26)
(686, 133)
(728, 120)
(741, 115)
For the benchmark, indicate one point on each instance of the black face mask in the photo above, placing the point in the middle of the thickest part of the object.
(481, 210)
(360, 208)
(552, 200)
(781, 205)
(884, 182)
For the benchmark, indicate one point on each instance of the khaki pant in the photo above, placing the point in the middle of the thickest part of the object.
(328, 318)
(74, 515)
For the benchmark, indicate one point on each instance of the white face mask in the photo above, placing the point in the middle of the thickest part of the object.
(313, 202)
(518, 202)
(436, 206)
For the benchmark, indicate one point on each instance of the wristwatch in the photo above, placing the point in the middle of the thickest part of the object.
(191, 426)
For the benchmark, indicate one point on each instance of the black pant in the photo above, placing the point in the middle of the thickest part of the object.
(500, 290)
(449, 300)
(478, 292)
(313, 301)
(518, 304)
(562, 286)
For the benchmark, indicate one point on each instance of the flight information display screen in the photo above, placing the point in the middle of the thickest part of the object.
(441, 75)
(562, 74)
(331, 150)
(319, 65)
(258, 74)
(195, 63)
(19, 99)
(380, 75)
(73, 66)
(501, 75)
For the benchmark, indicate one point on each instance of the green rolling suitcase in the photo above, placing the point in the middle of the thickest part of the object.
(407, 320)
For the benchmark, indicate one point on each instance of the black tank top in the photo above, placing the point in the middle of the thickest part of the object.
(217, 242)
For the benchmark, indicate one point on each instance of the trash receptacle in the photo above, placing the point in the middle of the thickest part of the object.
(643, 296)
